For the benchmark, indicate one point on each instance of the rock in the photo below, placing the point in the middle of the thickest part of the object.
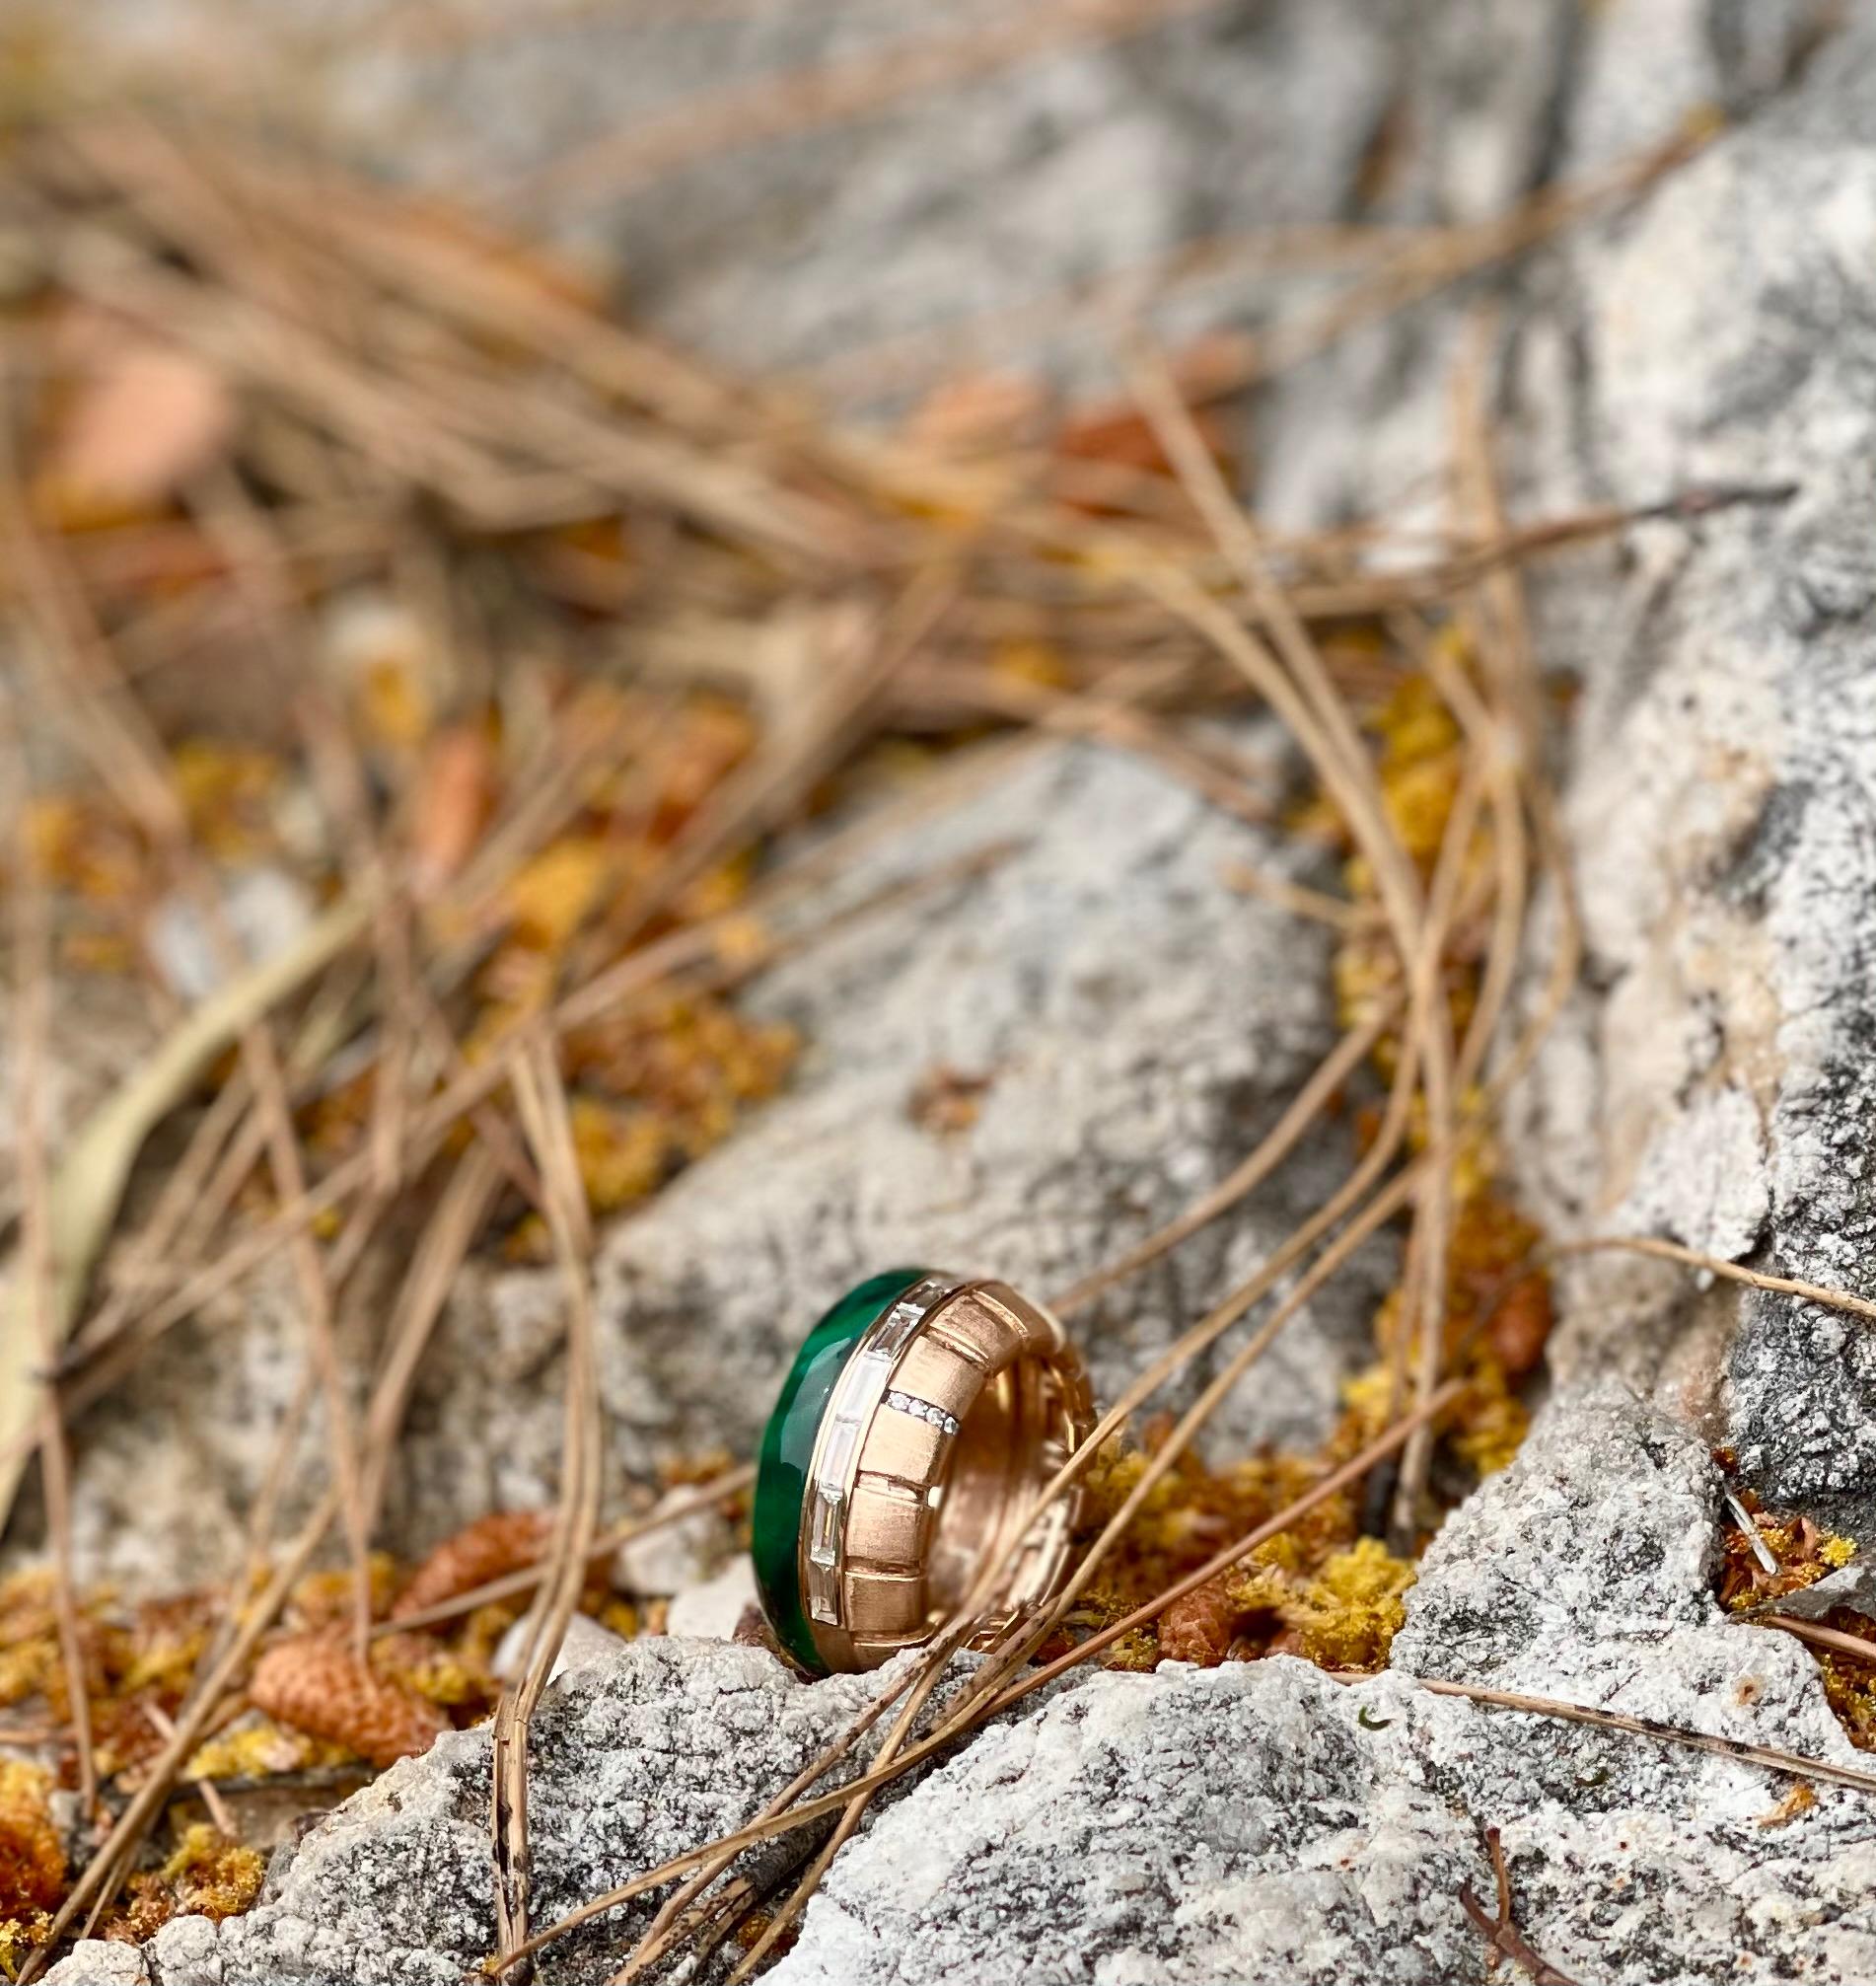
(1852, 1585)
(676, 1555)
(633, 1760)
(1723, 761)
(1142, 1025)
(1602, 1530)
(1256, 1820)
(1262, 1821)
(713, 1610)
(98, 1962)
(584, 1642)
(266, 910)
(1712, 1081)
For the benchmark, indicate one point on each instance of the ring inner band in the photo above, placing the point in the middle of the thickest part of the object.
(956, 1407)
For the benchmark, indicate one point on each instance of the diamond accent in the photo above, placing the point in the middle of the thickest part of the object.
(824, 1542)
(860, 1386)
(923, 1409)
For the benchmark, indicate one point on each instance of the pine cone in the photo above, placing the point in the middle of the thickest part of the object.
(1198, 1625)
(502, 1542)
(318, 1685)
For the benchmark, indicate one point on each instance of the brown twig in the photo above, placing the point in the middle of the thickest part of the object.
(1500, 1932)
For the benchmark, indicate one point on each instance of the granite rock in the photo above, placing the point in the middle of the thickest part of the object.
(633, 1758)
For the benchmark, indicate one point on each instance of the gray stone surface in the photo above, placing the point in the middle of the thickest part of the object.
(633, 1760)
(1721, 795)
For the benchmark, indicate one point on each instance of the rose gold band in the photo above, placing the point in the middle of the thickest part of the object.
(954, 1410)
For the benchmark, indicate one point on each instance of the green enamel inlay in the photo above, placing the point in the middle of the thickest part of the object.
(788, 1446)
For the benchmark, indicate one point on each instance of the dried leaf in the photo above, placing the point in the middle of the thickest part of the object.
(138, 429)
(456, 793)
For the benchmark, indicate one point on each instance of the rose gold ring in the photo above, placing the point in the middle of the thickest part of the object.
(920, 1418)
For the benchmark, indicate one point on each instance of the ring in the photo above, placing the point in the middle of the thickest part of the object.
(922, 1414)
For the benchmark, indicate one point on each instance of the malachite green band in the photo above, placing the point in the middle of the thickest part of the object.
(783, 1472)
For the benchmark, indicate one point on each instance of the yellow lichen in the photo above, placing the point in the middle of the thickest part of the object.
(1348, 1614)
(213, 1877)
(206, 1876)
(227, 791)
(257, 1747)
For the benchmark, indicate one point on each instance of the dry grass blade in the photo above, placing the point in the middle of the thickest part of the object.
(685, 949)
(1423, 1326)
(1249, 1173)
(1713, 1265)
(1770, 1756)
(98, 1882)
(1423, 268)
(1819, 1636)
(1346, 1476)
(1504, 1937)
(542, 1104)
(88, 1183)
(660, 1934)
(446, 1241)
(32, 1273)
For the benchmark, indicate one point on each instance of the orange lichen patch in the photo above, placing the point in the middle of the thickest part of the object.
(1805, 1552)
(549, 898)
(327, 1598)
(1031, 664)
(456, 1679)
(213, 1877)
(317, 1684)
(502, 1542)
(137, 1666)
(659, 1085)
(1491, 1421)
(33, 1868)
(1347, 1615)
(257, 1747)
(1421, 756)
(624, 1151)
(19, 1939)
(84, 845)
(1184, 1520)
